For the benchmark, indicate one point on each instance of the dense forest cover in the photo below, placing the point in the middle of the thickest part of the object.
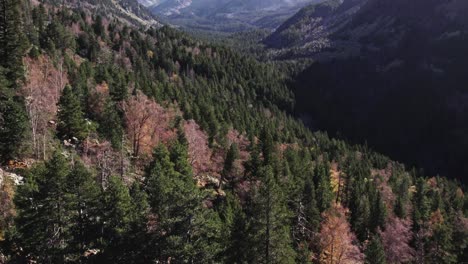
(128, 144)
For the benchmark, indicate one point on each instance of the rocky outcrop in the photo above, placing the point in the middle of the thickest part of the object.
(15, 178)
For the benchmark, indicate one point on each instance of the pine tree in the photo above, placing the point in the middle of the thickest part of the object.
(307, 224)
(254, 163)
(378, 213)
(13, 42)
(440, 246)
(137, 240)
(111, 125)
(375, 253)
(267, 146)
(399, 208)
(13, 127)
(117, 211)
(140, 207)
(270, 225)
(185, 227)
(421, 204)
(360, 218)
(324, 193)
(71, 117)
(311, 210)
(43, 221)
(83, 205)
(237, 246)
(179, 156)
(231, 156)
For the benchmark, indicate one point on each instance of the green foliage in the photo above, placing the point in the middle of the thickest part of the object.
(13, 128)
(375, 253)
(43, 219)
(271, 214)
(441, 245)
(270, 225)
(111, 125)
(71, 122)
(231, 156)
(117, 212)
(311, 210)
(176, 201)
(323, 190)
(83, 204)
(13, 42)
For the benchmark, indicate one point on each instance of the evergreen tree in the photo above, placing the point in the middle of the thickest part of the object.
(43, 220)
(311, 210)
(270, 225)
(307, 224)
(378, 213)
(117, 213)
(324, 193)
(440, 246)
(237, 246)
(71, 117)
(231, 156)
(140, 207)
(360, 218)
(111, 125)
(179, 156)
(137, 240)
(13, 42)
(375, 253)
(399, 208)
(185, 227)
(267, 146)
(254, 163)
(13, 127)
(421, 204)
(83, 205)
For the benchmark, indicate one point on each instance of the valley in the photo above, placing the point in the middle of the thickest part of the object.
(232, 131)
(225, 15)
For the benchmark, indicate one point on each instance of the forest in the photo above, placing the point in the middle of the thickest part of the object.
(124, 143)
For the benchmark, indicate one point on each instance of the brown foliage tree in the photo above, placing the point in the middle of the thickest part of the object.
(147, 123)
(337, 242)
(42, 91)
(396, 239)
(199, 152)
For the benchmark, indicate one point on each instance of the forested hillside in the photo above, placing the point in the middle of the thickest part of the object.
(125, 143)
(389, 73)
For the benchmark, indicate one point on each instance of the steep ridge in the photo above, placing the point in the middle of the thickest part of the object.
(227, 15)
(129, 11)
(398, 66)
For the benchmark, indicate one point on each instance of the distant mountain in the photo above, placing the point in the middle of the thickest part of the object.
(389, 72)
(311, 29)
(347, 27)
(151, 2)
(129, 11)
(226, 15)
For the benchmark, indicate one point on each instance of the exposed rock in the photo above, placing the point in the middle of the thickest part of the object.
(17, 179)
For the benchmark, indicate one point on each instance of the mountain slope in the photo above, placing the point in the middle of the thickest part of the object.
(144, 145)
(129, 11)
(391, 75)
(347, 27)
(312, 26)
(227, 15)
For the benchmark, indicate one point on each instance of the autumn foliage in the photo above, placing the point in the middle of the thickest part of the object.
(147, 123)
(337, 242)
(396, 239)
(42, 91)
